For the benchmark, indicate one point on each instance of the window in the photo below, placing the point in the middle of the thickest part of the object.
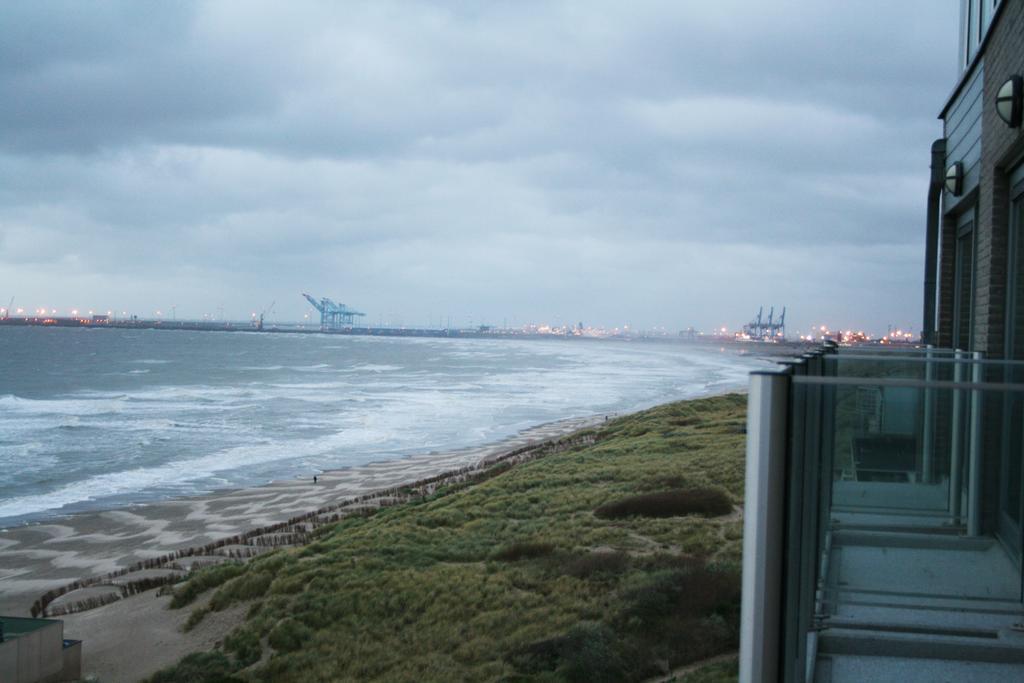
(1011, 481)
(1015, 274)
(975, 18)
(973, 21)
(971, 43)
(963, 286)
(963, 35)
(988, 10)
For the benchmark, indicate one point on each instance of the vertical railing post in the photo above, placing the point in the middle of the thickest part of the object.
(810, 493)
(957, 431)
(760, 618)
(792, 646)
(928, 440)
(974, 453)
(828, 451)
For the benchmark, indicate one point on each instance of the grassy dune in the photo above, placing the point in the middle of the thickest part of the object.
(514, 578)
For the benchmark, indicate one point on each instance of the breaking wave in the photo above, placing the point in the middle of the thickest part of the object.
(112, 433)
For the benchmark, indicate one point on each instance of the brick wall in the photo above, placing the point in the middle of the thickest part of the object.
(1000, 147)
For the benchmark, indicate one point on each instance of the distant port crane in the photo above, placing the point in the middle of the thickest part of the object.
(258, 322)
(333, 316)
(767, 329)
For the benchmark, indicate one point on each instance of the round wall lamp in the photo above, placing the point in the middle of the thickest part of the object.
(1010, 101)
(955, 179)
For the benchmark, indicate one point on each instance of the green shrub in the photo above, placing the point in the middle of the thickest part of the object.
(288, 584)
(680, 593)
(593, 653)
(719, 672)
(597, 564)
(522, 551)
(537, 657)
(666, 482)
(289, 635)
(198, 667)
(202, 580)
(244, 643)
(589, 652)
(248, 586)
(706, 502)
(194, 618)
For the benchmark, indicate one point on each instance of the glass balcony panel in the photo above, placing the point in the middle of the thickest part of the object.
(902, 460)
(889, 351)
(897, 545)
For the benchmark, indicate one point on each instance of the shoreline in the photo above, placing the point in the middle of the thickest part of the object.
(161, 637)
(41, 556)
(68, 485)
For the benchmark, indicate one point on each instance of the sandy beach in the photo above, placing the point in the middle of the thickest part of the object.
(36, 558)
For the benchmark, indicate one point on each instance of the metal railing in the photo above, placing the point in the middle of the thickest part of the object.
(901, 442)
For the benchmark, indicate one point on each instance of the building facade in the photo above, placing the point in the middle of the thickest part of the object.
(981, 243)
(977, 221)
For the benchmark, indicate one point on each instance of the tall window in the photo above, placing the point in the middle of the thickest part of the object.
(975, 19)
(968, 35)
(1011, 482)
(964, 14)
(988, 10)
(1015, 284)
(963, 292)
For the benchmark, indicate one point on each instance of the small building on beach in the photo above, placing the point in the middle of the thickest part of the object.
(35, 651)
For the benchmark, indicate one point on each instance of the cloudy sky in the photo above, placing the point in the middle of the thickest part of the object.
(652, 163)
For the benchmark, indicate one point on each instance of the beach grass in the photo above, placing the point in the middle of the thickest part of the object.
(514, 578)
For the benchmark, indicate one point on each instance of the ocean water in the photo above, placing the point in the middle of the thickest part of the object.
(95, 419)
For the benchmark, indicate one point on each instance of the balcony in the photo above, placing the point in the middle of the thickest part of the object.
(883, 519)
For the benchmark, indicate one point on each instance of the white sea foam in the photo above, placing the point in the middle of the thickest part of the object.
(374, 367)
(28, 406)
(382, 398)
(180, 472)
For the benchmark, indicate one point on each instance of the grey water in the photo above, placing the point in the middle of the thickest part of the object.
(96, 419)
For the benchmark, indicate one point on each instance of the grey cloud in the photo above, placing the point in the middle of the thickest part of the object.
(655, 162)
